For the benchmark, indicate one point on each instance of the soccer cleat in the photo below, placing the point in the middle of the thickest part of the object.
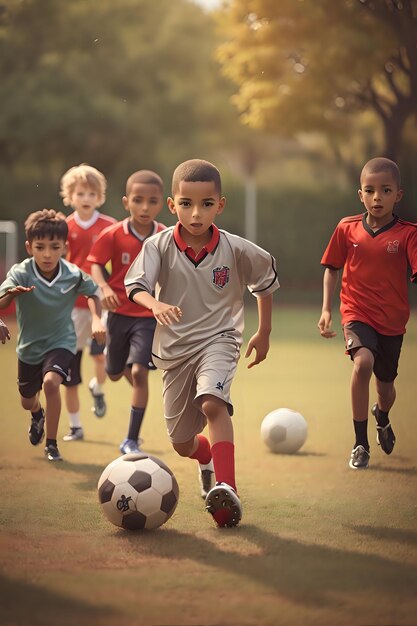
(359, 459)
(206, 478)
(52, 453)
(130, 446)
(384, 434)
(36, 430)
(75, 433)
(223, 504)
(100, 407)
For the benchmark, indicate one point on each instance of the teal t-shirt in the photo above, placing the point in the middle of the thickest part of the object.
(44, 314)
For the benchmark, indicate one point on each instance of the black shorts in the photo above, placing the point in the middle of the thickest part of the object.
(30, 377)
(385, 348)
(129, 340)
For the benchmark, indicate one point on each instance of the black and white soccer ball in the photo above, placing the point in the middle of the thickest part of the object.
(138, 491)
(284, 431)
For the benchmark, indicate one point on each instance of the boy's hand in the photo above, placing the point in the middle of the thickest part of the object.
(98, 331)
(259, 342)
(109, 300)
(4, 332)
(16, 291)
(166, 314)
(325, 325)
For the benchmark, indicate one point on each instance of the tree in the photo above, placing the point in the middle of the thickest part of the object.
(303, 65)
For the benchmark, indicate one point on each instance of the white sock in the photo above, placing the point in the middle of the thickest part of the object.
(95, 386)
(74, 420)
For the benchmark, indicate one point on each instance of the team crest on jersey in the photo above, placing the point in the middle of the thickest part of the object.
(221, 276)
(392, 246)
(125, 258)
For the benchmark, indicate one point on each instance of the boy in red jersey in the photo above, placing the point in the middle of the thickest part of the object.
(200, 275)
(83, 188)
(375, 250)
(130, 328)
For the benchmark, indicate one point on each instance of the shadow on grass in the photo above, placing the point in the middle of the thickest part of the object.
(26, 604)
(308, 574)
(406, 471)
(397, 535)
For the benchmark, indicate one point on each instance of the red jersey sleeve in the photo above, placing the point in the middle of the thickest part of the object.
(102, 250)
(412, 254)
(335, 254)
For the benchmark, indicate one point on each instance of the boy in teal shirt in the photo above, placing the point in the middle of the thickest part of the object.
(45, 287)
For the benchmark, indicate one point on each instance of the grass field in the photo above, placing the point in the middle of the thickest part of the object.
(319, 544)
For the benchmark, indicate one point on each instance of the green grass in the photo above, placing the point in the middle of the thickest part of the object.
(319, 544)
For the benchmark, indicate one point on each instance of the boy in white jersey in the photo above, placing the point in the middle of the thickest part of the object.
(200, 274)
(45, 287)
(83, 188)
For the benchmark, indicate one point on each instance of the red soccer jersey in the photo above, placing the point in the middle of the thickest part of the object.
(81, 236)
(120, 245)
(374, 281)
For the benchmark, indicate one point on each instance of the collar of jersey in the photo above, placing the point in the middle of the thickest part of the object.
(85, 225)
(184, 247)
(375, 233)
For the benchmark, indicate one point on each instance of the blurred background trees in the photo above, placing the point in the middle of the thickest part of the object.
(288, 98)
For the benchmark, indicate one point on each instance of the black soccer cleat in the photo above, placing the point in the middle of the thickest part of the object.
(36, 430)
(223, 503)
(52, 453)
(384, 434)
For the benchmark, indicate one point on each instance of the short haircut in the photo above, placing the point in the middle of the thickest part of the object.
(196, 171)
(86, 175)
(46, 223)
(381, 164)
(144, 177)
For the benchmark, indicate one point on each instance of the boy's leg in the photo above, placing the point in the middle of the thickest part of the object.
(140, 393)
(56, 369)
(96, 383)
(363, 361)
(72, 400)
(30, 384)
(386, 369)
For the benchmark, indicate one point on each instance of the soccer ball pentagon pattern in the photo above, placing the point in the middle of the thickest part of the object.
(284, 431)
(138, 491)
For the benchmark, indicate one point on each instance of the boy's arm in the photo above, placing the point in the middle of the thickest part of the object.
(98, 330)
(4, 332)
(110, 299)
(164, 314)
(11, 294)
(330, 279)
(260, 340)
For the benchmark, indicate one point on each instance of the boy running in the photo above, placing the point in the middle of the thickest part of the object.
(130, 328)
(374, 249)
(46, 287)
(200, 274)
(84, 189)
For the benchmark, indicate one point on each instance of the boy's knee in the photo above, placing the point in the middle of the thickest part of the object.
(139, 375)
(212, 407)
(51, 383)
(184, 449)
(115, 376)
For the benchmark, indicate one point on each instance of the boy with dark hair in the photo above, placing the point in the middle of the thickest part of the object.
(4, 332)
(200, 274)
(374, 249)
(130, 328)
(83, 188)
(45, 287)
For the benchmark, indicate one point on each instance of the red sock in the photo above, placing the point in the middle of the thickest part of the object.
(203, 452)
(223, 453)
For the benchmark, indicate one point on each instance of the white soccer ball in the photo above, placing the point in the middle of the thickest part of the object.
(138, 491)
(284, 431)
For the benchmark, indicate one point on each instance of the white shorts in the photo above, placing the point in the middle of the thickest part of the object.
(82, 324)
(211, 372)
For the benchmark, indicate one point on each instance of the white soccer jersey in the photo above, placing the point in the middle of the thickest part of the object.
(208, 288)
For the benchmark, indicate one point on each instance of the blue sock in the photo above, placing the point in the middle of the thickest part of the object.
(136, 418)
